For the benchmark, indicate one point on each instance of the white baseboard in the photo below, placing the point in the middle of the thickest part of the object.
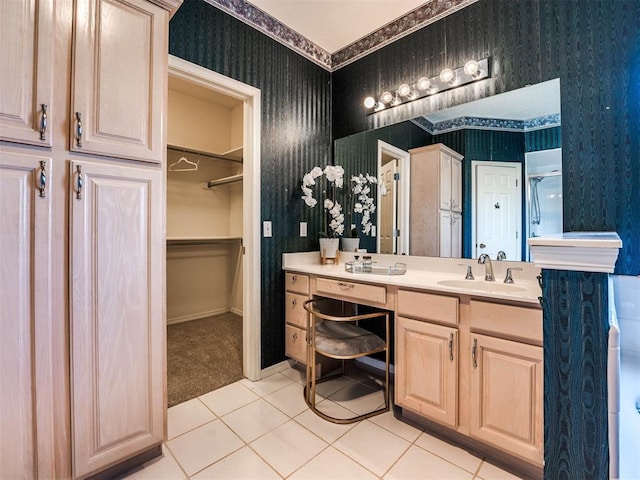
(278, 367)
(196, 316)
(237, 311)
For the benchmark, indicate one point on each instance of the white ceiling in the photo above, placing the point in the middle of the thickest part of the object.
(525, 103)
(334, 24)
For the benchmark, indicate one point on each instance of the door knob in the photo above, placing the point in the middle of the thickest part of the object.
(482, 245)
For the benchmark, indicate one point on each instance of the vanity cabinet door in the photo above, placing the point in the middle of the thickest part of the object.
(456, 185)
(26, 76)
(445, 181)
(27, 339)
(506, 396)
(456, 235)
(427, 369)
(117, 318)
(445, 233)
(119, 79)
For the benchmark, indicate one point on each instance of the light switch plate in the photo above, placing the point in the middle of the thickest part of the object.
(303, 229)
(266, 229)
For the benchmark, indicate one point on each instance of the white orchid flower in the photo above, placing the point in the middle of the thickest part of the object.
(328, 203)
(309, 200)
(316, 172)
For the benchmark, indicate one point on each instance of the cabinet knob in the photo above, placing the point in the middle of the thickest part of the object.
(295, 336)
(42, 178)
(78, 129)
(294, 302)
(43, 123)
(294, 278)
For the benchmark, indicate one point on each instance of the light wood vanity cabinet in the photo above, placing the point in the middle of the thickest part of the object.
(426, 366)
(492, 392)
(506, 378)
(84, 292)
(297, 292)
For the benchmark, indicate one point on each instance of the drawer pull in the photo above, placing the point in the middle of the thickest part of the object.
(43, 121)
(294, 302)
(451, 347)
(78, 129)
(346, 286)
(473, 353)
(42, 178)
(295, 336)
(294, 278)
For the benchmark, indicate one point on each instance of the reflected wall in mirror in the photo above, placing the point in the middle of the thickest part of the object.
(506, 138)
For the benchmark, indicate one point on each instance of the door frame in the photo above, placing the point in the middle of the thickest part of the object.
(474, 202)
(251, 98)
(404, 191)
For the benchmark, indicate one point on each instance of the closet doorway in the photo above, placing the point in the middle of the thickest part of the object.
(213, 282)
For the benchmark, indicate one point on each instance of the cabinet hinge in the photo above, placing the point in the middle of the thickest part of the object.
(396, 233)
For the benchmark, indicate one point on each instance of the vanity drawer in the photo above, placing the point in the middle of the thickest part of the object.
(295, 344)
(295, 282)
(295, 312)
(357, 292)
(428, 306)
(506, 321)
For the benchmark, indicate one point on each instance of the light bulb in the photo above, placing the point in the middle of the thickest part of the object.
(386, 97)
(471, 68)
(369, 102)
(423, 83)
(404, 90)
(447, 75)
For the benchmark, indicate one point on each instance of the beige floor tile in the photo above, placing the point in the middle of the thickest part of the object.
(288, 447)
(228, 398)
(372, 446)
(326, 430)
(186, 416)
(289, 399)
(162, 468)
(451, 453)
(419, 464)
(254, 420)
(241, 465)
(297, 374)
(389, 422)
(267, 385)
(491, 472)
(358, 398)
(331, 464)
(203, 446)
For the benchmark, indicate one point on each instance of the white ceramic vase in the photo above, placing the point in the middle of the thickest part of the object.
(329, 247)
(350, 244)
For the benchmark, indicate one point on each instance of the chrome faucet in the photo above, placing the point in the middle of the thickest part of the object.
(501, 256)
(485, 260)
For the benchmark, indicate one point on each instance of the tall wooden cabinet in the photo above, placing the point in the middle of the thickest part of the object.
(82, 207)
(436, 202)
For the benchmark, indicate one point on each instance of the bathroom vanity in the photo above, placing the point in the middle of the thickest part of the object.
(468, 353)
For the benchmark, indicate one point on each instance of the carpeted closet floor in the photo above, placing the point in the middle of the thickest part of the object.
(203, 355)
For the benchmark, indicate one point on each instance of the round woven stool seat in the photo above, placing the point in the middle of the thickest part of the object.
(345, 339)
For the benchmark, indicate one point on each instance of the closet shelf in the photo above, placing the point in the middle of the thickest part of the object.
(178, 241)
(223, 181)
(233, 155)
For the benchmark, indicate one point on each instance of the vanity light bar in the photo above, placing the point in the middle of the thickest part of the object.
(449, 78)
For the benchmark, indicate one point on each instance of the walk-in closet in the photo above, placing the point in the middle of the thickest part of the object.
(204, 240)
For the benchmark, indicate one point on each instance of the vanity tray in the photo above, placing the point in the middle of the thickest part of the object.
(397, 268)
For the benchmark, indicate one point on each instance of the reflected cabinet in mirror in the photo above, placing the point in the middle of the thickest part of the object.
(476, 178)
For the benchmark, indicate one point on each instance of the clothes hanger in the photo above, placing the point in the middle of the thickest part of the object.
(184, 165)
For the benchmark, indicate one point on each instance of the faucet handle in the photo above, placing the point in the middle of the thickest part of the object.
(469, 275)
(501, 256)
(508, 278)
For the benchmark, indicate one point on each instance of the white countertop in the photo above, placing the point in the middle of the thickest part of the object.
(579, 239)
(427, 273)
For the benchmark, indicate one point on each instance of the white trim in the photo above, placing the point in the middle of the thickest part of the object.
(250, 96)
(197, 316)
(404, 191)
(577, 251)
(474, 203)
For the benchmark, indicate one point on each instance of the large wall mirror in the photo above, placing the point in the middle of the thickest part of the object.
(498, 162)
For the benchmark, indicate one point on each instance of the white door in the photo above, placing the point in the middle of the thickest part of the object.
(497, 205)
(387, 208)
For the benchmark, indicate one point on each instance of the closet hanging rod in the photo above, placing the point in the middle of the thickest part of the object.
(174, 148)
(196, 241)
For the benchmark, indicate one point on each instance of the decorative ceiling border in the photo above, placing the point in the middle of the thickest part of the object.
(459, 123)
(422, 16)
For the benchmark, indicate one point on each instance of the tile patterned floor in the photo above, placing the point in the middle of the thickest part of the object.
(264, 430)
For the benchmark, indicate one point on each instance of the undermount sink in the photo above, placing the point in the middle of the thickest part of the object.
(480, 285)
